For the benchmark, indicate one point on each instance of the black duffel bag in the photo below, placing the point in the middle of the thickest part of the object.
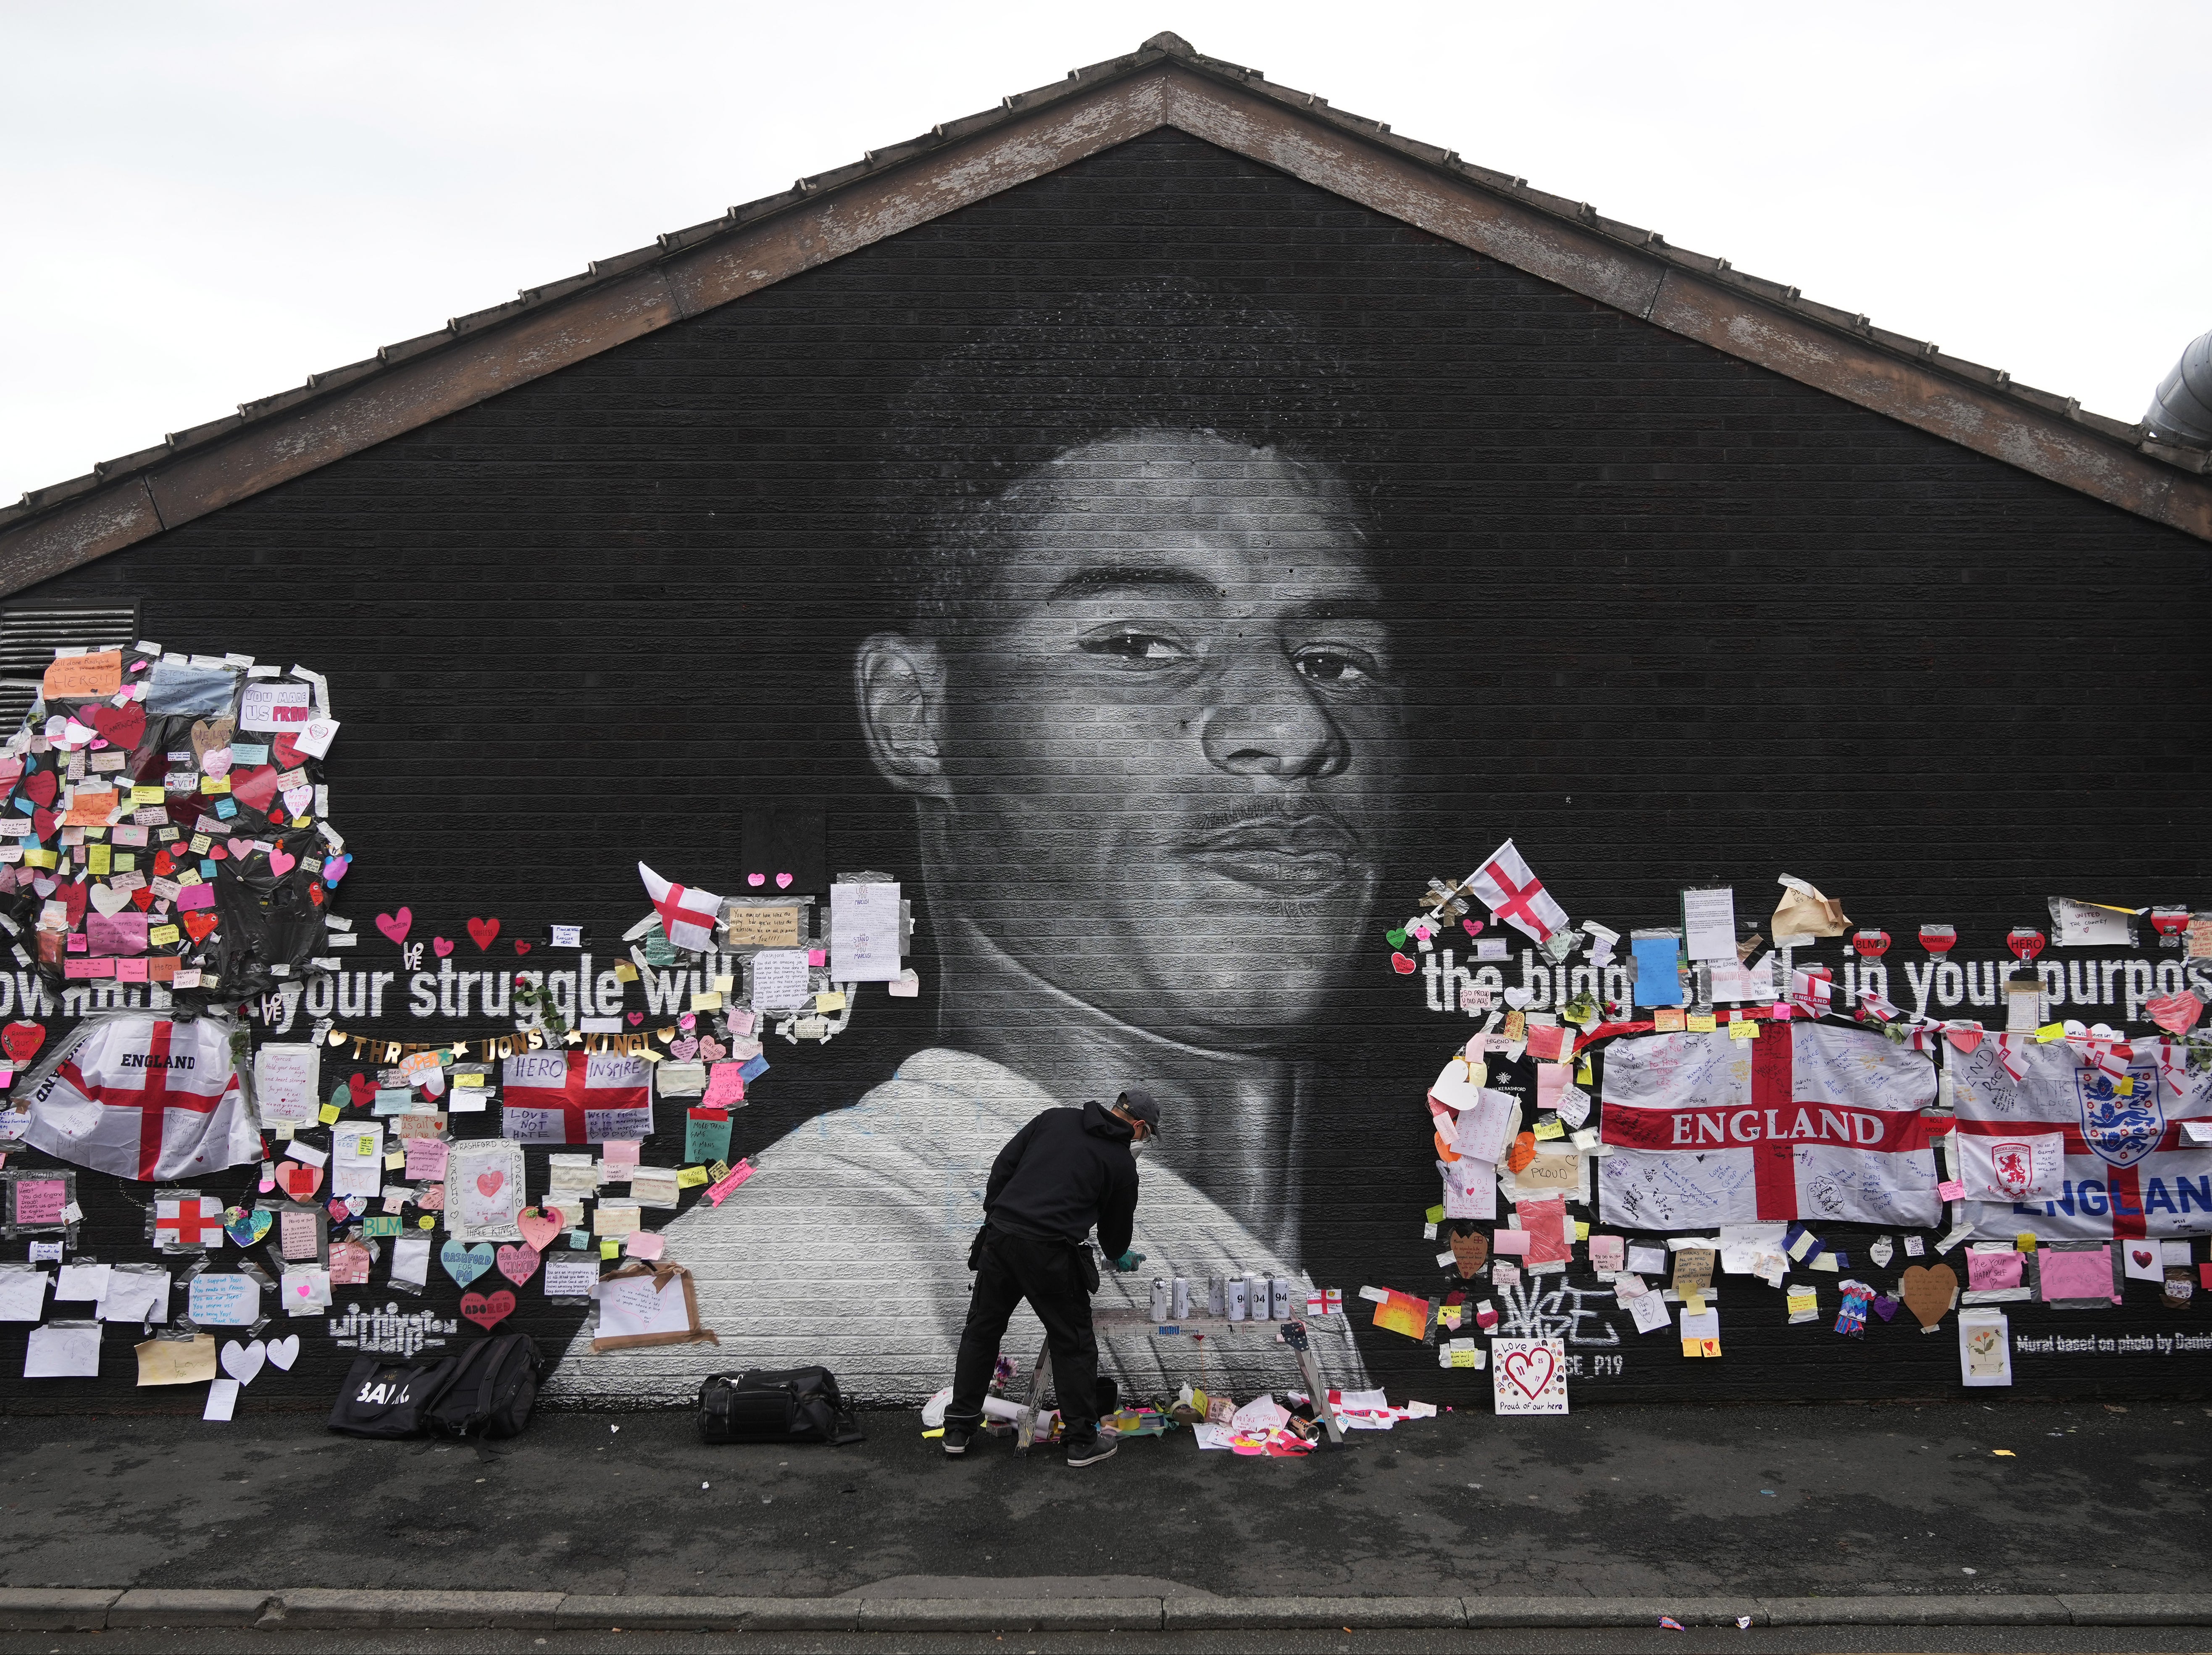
(487, 1390)
(786, 1405)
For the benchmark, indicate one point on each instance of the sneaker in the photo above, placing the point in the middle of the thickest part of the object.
(1091, 1450)
(956, 1439)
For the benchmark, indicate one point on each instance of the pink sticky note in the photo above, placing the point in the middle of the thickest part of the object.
(726, 1086)
(643, 1244)
(620, 1153)
(115, 934)
(1951, 1189)
(818, 956)
(2075, 1275)
(130, 970)
(191, 897)
(717, 1193)
(1986, 1271)
(1510, 1243)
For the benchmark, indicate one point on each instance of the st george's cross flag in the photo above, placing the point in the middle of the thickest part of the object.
(147, 1098)
(687, 913)
(575, 1097)
(1822, 1125)
(2063, 1151)
(1513, 893)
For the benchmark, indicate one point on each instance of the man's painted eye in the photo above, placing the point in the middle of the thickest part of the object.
(1132, 645)
(1328, 666)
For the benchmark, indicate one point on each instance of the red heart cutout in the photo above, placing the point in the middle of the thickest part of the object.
(257, 789)
(217, 851)
(21, 1041)
(201, 925)
(74, 892)
(2177, 1013)
(42, 824)
(442, 947)
(298, 1179)
(490, 1182)
(2024, 944)
(518, 1264)
(1401, 965)
(164, 864)
(39, 786)
(286, 749)
(521, 947)
(1872, 945)
(483, 933)
(143, 896)
(363, 1089)
(488, 1311)
(123, 726)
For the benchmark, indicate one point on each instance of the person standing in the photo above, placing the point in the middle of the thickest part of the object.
(1066, 1172)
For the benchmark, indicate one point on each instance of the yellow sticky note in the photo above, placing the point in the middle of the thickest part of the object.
(1709, 1347)
(1743, 1029)
(1694, 1302)
(395, 1158)
(829, 1001)
(1552, 1128)
(2050, 1031)
(1693, 1348)
(147, 796)
(39, 858)
(158, 935)
(1582, 1231)
(609, 1247)
(1802, 1299)
(2124, 1087)
(474, 1082)
(707, 1003)
(624, 972)
(1701, 1022)
(690, 1177)
(2024, 1242)
(726, 984)
(215, 784)
(1585, 1075)
(329, 1114)
(102, 859)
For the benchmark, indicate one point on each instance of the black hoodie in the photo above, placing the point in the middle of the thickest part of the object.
(1063, 1172)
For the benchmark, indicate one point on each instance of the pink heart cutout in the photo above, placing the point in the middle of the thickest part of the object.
(281, 861)
(1964, 1039)
(711, 1049)
(488, 1183)
(683, 1050)
(1473, 928)
(518, 1264)
(396, 926)
(540, 1227)
(2177, 1013)
(755, 878)
(442, 947)
(636, 1018)
(783, 882)
(241, 849)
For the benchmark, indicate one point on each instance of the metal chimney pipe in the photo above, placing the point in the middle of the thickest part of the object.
(2181, 409)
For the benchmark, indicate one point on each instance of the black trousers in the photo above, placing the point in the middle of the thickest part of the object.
(1048, 1274)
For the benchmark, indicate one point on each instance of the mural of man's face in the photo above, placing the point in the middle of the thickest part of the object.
(1159, 752)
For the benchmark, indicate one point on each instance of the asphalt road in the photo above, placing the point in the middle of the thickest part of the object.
(1617, 1501)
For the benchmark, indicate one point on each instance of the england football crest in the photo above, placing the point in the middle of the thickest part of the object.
(2121, 1130)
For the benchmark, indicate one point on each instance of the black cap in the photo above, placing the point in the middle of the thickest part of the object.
(1140, 1106)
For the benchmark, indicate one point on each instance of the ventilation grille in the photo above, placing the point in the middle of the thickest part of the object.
(30, 634)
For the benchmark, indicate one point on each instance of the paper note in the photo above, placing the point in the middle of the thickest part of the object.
(1708, 924)
(285, 1082)
(79, 677)
(1529, 1376)
(177, 1361)
(82, 1281)
(222, 1401)
(1657, 983)
(778, 979)
(763, 927)
(2074, 1275)
(1402, 1313)
(62, 1350)
(2088, 925)
(1990, 1270)
(426, 1159)
(630, 1307)
(224, 1298)
(137, 1296)
(1649, 1312)
(864, 933)
(566, 1278)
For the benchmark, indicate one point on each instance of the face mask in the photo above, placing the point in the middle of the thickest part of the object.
(1138, 1146)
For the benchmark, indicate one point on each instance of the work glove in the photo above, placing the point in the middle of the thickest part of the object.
(1128, 1262)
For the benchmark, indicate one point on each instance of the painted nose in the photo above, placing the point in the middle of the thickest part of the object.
(1264, 719)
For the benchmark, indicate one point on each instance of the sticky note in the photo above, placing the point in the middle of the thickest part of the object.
(1702, 1023)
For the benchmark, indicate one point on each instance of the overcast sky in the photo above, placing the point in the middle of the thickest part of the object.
(204, 203)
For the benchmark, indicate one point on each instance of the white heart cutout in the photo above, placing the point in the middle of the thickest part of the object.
(243, 1362)
(108, 900)
(1517, 998)
(282, 1353)
(1881, 1251)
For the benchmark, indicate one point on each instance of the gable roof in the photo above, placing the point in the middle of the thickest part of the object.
(1163, 84)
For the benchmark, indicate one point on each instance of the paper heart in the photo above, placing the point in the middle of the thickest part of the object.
(336, 1037)
(1881, 1250)
(2177, 1013)
(465, 1264)
(1872, 945)
(297, 1179)
(1966, 1039)
(219, 851)
(21, 1041)
(164, 863)
(243, 1362)
(521, 947)
(361, 1088)
(257, 788)
(1520, 1367)
(2023, 944)
(45, 887)
(282, 1353)
(122, 727)
(142, 899)
(215, 761)
(396, 926)
(488, 1311)
(518, 1264)
(1517, 998)
(296, 800)
(711, 1049)
(42, 824)
(683, 1050)
(1396, 936)
(40, 786)
(1419, 933)
(281, 861)
(244, 1227)
(1928, 1291)
(339, 1212)
(286, 748)
(334, 867)
(689, 1021)
(74, 893)
(108, 900)
(636, 1018)
(314, 893)
(490, 1184)
(755, 878)
(431, 1198)
(1473, 928)
(483, 933)
(539, 1227)
(783, 882)
(209, 733)
(442, 947)
(201, 925)
(2143, 1256)
(1402, 966)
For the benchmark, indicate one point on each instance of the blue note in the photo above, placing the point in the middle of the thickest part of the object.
(1657, 983)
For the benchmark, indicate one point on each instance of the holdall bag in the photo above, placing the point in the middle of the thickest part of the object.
(492, 1389)
(784, 1405)
(384, 1398)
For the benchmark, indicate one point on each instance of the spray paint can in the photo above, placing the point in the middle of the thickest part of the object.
(1233, 1291)
(1279, 1298)
(1217, 1299)
(1159, 1299)
(1180, 1297)
(1256, 1296)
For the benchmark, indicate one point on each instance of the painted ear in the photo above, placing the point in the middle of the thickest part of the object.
(900, 682)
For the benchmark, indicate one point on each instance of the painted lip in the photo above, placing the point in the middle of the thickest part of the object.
(1295, 856)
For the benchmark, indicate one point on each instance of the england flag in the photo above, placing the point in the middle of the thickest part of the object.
(1512, 892)
(1819, 1124)
(2071, 1152)
(146, 1098)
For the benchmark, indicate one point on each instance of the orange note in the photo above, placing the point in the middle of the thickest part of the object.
(79, 676)
(88, 808)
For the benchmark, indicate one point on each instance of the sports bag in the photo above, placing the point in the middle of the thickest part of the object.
(492, 1389)
(383, 1398)
(786, 1405)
